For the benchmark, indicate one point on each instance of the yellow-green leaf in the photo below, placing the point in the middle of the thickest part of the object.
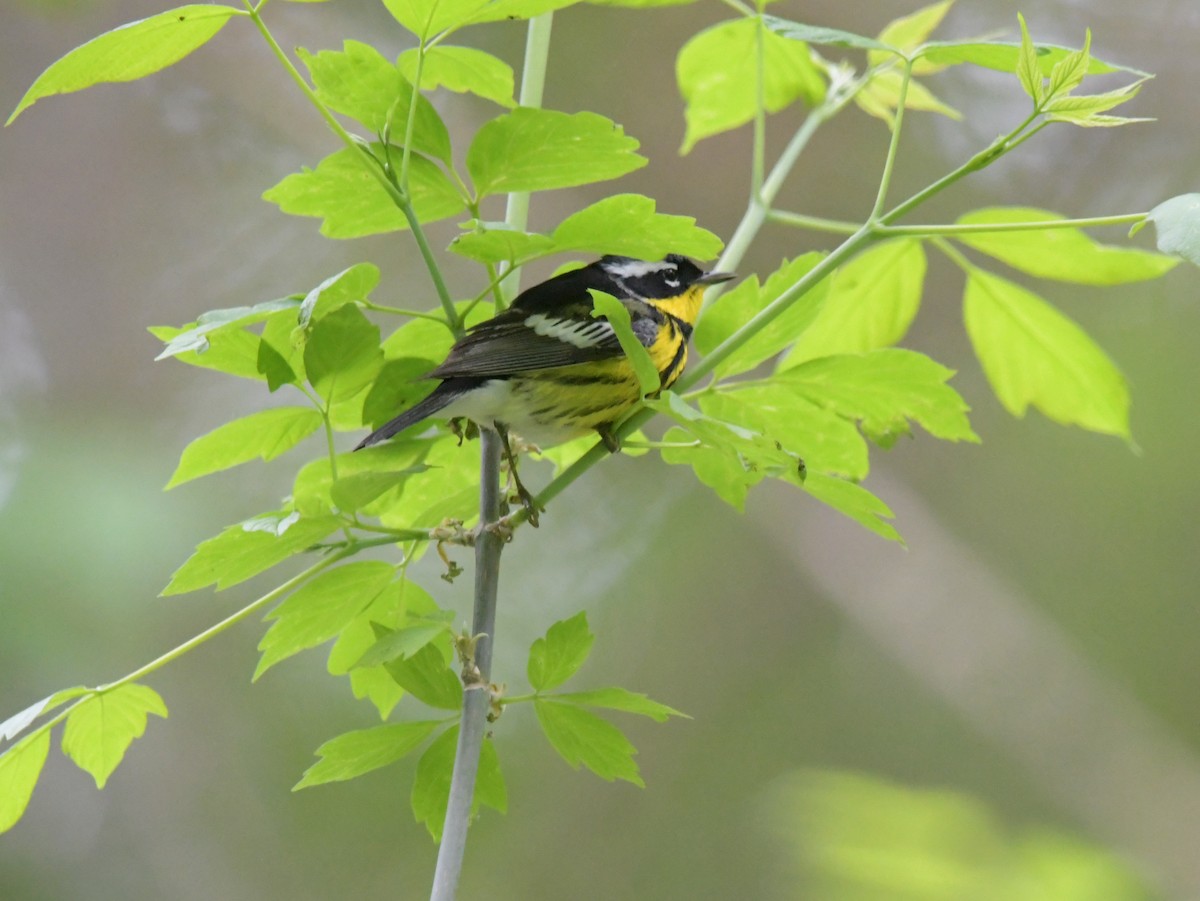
(263, 435)
(717, 71)
(20, 767)
(354, 753)
(1034, 355)
(870, 303)
(1063, 254)
(100, 730)
(131, 51)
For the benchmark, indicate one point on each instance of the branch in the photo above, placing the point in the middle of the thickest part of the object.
(488, 545)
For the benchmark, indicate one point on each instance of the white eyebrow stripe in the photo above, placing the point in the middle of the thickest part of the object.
(569, 331)
(636, 268)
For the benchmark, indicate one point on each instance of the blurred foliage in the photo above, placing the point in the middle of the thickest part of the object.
(854, 837)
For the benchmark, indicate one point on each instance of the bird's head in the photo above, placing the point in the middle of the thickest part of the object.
(669, 277)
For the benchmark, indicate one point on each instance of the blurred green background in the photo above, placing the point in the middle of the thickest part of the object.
(1005, 710)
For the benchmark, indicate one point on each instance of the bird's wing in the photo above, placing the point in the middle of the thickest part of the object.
(548, 325)
(521, 341)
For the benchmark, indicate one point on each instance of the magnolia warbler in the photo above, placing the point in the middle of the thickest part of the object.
(548, 370)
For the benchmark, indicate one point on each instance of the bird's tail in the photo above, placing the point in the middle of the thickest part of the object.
(441, 397)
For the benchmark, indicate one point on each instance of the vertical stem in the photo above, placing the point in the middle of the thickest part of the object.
(488, 545)
(476, 698)
(758, 164)
(889, 163)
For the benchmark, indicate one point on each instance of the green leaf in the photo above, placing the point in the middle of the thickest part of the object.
(403, 642)
(100, 729)
(867, 838)
(1177, 222)
(353, 492)
(353, 284)
(431, 339)
(722, 471)
(625, 224)
(494, 242)
(320, 609)
(621, 699)
(275, 367)
(395, 605)
(1082, 107)
(717, 72)
(426, 676)
(881, 96)
(449, 489)
(582, 737)
(248, 548)
(506, 10)
(1033, 354)
(198, 336)
(263, 435)
(727, 457)
(557, 657)
(490, 790)
(1029, 71)
(1068, 72)
(354, 753)
(1005, 56)
(363, 85)
(909, 32)
(735, 308)
(1090, 120)
(426, 18)
(431, 787)
(826, 440)
(463, 70)
(628, 224)
(825, 37)
(234, 352)
(131, 51)
(853, 501)
(20, 767)
(342, 354)
(1063, 254)
(608, 307)
(639, 4)
(352, 202)
(20, 721)
(540, 149)
(870, 303)
(883, 390)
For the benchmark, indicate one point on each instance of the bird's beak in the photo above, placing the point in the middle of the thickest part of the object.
(714, 278)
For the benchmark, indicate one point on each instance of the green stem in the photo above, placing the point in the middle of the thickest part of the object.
(954, 254)
(197, 640)
(758, 163)
(505, 700)
(739, 7)
(400, 311)
(980, 160)
(759, 207)
(920, 231)
(410, 124)
(889, 162)
(815, 223)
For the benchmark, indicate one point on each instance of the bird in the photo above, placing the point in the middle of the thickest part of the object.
(548, 370)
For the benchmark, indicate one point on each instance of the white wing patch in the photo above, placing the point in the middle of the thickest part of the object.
(636, 268)
(570, 331)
